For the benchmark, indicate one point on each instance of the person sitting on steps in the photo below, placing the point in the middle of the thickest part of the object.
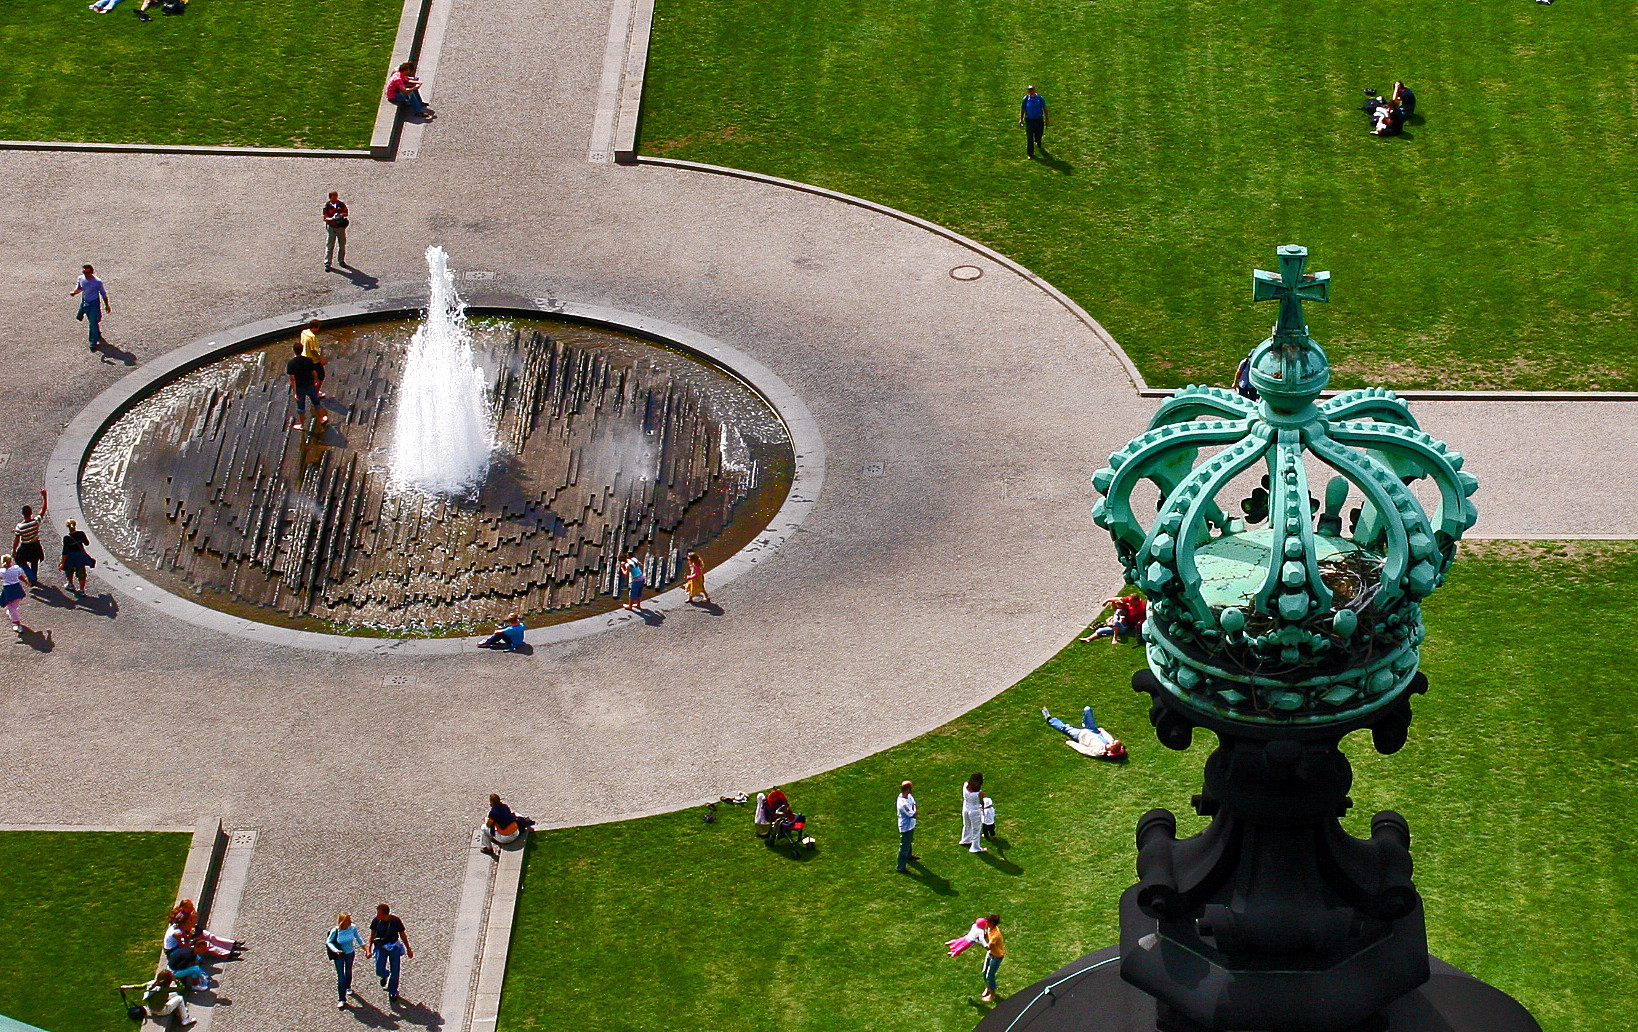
(404, 89)
(502, 826)
(160, 998)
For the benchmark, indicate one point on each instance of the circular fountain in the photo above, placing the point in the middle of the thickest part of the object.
(475, 462)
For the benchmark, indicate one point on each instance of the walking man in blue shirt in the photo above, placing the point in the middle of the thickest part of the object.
(1032, 115)
(92, 294)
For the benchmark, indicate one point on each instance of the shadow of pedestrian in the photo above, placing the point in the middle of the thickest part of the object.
(918, 872)
(53, 596)
(99, 605)
(1001, 863)
(1057, 165)
(358, 277)
(35, 640)
(708, 607)
(650, 617)
(113, 355)
(396, 1015)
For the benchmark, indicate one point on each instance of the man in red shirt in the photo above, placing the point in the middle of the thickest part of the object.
(335, 226)
(1129, 613)
(404, 89)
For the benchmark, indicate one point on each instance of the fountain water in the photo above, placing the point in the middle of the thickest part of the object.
(445, 431)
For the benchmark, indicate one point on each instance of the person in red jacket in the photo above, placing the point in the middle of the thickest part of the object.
(404, 89)
(1129, 613)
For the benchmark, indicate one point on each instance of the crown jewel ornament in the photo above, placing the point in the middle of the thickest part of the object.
(1280, 618)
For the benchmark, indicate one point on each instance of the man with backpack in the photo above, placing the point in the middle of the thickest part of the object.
(160, 999)
(1032, 115)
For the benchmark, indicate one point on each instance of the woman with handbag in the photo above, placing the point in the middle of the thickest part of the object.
(342, 942)
(75, 558)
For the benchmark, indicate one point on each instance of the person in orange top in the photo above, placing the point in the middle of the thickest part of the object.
(696, 579)
(996, 948)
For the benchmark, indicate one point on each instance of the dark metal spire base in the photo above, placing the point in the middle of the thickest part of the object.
(1100, 1001)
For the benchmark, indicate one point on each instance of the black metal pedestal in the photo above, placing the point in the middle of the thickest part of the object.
(1098, 1000)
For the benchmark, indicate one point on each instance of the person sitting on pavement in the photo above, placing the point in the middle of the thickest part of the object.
(183, 962)
(161, 1000)
(510, 636)
(185, 916)
(1089, 739)
(177, 941)
(404, 89)
(502, 826)
(1242, 380)
(1129, 613)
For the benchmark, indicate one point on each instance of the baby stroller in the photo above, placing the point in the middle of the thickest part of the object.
(789, 829)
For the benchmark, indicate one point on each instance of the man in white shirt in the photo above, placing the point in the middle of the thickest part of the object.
(907, 825)
(1088, 739)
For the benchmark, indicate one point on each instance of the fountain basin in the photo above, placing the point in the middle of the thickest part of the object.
(526, 541)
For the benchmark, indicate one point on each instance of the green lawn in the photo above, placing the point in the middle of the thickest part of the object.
(1489, 247)
(82, 914)
(274, 73)
(1515, 782)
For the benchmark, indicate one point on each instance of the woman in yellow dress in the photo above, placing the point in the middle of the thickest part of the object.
(696, 579)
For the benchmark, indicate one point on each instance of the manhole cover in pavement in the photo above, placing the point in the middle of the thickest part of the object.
(875, 469)
(966, 272)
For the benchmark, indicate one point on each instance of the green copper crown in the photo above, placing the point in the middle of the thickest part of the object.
(1278, 617)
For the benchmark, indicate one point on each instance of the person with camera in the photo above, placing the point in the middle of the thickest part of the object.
(160, 999)
(335, 227)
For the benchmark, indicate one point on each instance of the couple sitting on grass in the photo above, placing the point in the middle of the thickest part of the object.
(185, 945)
(1388, 115)
(168, 6)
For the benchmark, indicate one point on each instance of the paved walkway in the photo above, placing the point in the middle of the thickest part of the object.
(906, 598)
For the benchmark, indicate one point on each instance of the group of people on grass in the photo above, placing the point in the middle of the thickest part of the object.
(20, 569)
(1389, 114)
(167, 6)
(187, 948)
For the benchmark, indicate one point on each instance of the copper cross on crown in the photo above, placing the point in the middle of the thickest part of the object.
(1292, 287)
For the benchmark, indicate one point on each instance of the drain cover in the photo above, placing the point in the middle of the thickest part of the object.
(966, 272)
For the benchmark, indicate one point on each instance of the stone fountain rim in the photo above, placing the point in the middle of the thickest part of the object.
(73, 449)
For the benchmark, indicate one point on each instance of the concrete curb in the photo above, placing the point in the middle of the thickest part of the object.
(384, 136)
(467, 939)
(497, 936)
(1103, 335)
(221, 902)
(631, 84)
(160, 148)
(74, 447)
(204, 862)
(166, 829)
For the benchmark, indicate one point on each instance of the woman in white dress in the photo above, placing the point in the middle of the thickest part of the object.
(972, 813)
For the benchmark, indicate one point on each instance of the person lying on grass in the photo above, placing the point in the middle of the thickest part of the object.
(1089, 739)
